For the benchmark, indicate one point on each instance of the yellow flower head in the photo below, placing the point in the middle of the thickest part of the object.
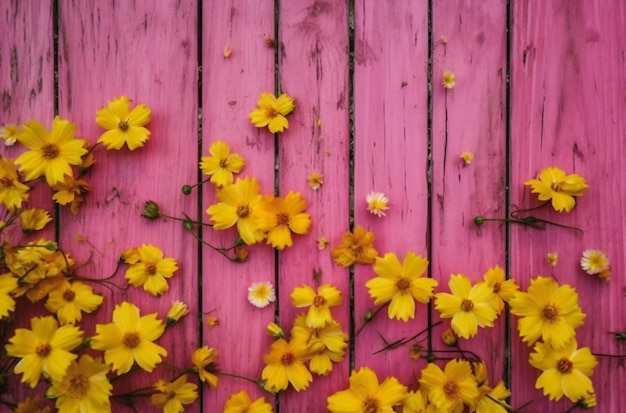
(45, 348)
(327, 344)
(503, 289)
(377, 203)
(322, 243)
(275, 331)
(401, 284)
(212, 322)
(151, 270)
(123, 125)
(366, 394)
(129, 338)
(553, 258)
(449, 337)
(547, 311)
(261, 294)
(177, 311)
(451, 388)
(85, 387)
(239, 204)
(204, 363)
(171, 396)
(10, 133)
(282, 216)
(554, 185)
(490, 399)
(319, 303)
(242, 403)
(448, 79)
(12, 191)
(8, 284)
(315, 180)
(50, 152)
(285, 364)
(34, 219)
(468, 306)
(69, 300)
(221, 165)
(71, 191)
(357, 247)
(467, 158)
(271, 112)
(565, 371)
(594, 261)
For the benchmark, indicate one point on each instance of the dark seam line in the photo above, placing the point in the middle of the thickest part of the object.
(429, 126)
(277, 91)
(55, 82)
(199, 216)
(351, 31)
(507, 191)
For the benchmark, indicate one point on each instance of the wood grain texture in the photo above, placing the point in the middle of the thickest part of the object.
(313, 67)
(568, 103)
(390, 156)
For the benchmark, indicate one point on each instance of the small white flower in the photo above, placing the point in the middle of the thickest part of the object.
(377, 203)
(261, 294)
(594, 261)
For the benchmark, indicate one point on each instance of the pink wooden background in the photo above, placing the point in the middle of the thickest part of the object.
(385, 118)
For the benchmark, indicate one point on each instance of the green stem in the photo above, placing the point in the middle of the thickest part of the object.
(237, 376)
(222, 251)
(367, 320)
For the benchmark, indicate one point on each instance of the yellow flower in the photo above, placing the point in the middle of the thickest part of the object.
(84, 388)
(491, 400)
(242, 403)
(565, 371)
(503, 289)
(377, 203)
(204, 362)
(281, 217)
(12, 191)
(129, 338)
(449, 337)
(327, 344)
(8, 284)
(123, 125)
(554, 185)
(467, 157)
(239, 204)
(448, 79)
(69, 300)
(468, 306)
(355, 248)
(450, 388)
(275, 331)
(547, 311)
(319, 303)
(34, 219)
(51, 153)
(221, 165)
(261, 294)
(9, 133)
(212, 322)
(171, 396)
(151, 270)
(285, 364)
(416, 350)
(177, 311)
(415, 402)
(367, 395)
(322, 243)
(46, 348)
(32, 405)
(594, 261)
(271, 112)
(71, 191)
(553, 258)
(315, 180)
(401, 284)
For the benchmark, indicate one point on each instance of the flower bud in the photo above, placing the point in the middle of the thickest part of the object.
(368, 316)
(188, 224)
(275, 331)
(241, 254)
(478, 220)
(186, 189)
(52, 246)
(178, 310)
(449, 337)
(151, 210)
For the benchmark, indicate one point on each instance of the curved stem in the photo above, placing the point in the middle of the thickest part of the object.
(515, 210)
(237, 376)
(214, 248)
(367, 320)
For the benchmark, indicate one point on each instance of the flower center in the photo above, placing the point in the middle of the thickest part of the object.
(6, 181)
(243, 210)
(77, 387)
(287, 359)
(69, 295)
(131, 340)
(451, 389)
(556, 187)
(50, 151)
(151, 269)
(282, 218)
(271, 112)
(496, 287)
(467, 305)
(123, 125)
(43, 349)
(370, 405)
(224, 163)
(319, 301)
(550, 313)
(565, 366)
(403, 284)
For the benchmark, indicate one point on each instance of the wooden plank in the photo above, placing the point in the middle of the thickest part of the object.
(390, 156)
(108, 49)
(231, 88)
(314, 46)
(470, 41)
(568, 101)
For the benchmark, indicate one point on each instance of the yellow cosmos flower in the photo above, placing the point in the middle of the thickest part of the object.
(491, 400)
(151, 270)
(123, 125)
(377, 203)
(503, 289)
(319, 303)
(594, 261)
(69, 300)
(239, 204)
(401, 284)
(204, 362)
(34, 219)
(221, 165)
(554, 185)
(553, 258)
(315, 180)
(51, 152)
(32, 405)
(547, 311)
(261, 294)
(129, 338)
(242, 403)
(565, 371)
(367, 395)
(171, 396)
(448, 79)
(10, 133)
(467, 158)
(449, 389)
(355, 247)
(43, 349)
(285, 364)
(282, 216)
(415, 402)
(8, 284)
(275, 331)
(271, 112)
(71, 191)
(177, 311)
(12, 191)
(468, 306)
(84, 388)
(327, 343)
